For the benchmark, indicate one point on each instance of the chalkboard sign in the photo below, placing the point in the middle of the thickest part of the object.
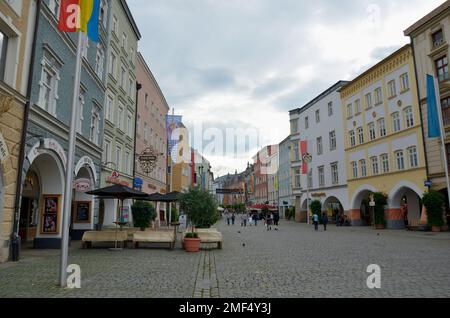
(82, 212)
(50, 214)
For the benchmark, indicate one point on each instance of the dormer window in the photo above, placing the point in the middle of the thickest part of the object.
(437, 38)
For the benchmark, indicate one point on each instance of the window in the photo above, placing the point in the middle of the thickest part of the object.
(396, 124)
(146, 101)
(357, 107)
(409, 117)
(294, 123)
(118, 158)
(296, 150)
(362, 163)
(404, 82)
(442, 68)
(334, 173)
(382, 127)
(103, 13)
(319, 146)
(131, 55)
(145, 132)
(355, 170)
(115, 25)
(392, 89)
(310, 179)
(99, 61)
(85, 47)
(372, 131)
(317, 116)
(130, 88)
(360, 135)
(48, 90)
(352, 139)
(109, 108)
(378, 96)
(95, 125)
(122, 78)
(3, 51)
(375, 170)
(127, 163)
(112, 65)
(120, 118)
(81, 101)
(385, 163)
(369, 101)
(321, 173)
(124, 41)
(333, 144)
(400, 160)
(445, 103)
(129, 125)
(413, 159)
(349, 111)
(330, 109)
(297, 178)
(306, 122)
(437, 38)
(138, 125)
(107, 152)
(54, 6)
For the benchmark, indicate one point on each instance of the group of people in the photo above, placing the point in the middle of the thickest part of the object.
(341, 220)
(252, 218)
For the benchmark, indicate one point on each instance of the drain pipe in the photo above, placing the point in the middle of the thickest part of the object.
(15, 238)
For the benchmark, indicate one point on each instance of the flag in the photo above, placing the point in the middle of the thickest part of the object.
(80, 15)
(304, 151)
(434, 129)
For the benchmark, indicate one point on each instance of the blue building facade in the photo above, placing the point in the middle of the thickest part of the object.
(53, 70)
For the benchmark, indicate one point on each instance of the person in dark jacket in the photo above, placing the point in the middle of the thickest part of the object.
(325, 221)
(276, 219)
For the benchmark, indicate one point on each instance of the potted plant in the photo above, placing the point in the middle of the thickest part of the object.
(381, 200)
(434, 202)
(143, 214)
(200, 208)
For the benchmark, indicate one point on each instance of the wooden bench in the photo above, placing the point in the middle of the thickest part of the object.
(209, 236)
(154, 236)
(103, 237)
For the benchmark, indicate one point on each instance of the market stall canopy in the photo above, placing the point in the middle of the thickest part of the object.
(118, 191)
(158, 197)
(262, 206)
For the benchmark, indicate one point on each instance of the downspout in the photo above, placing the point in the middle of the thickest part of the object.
(15, 239)
(138, 88)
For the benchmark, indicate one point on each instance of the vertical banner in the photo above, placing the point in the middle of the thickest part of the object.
(304, 151)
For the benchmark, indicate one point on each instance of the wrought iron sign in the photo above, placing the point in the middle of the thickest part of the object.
(148, 159)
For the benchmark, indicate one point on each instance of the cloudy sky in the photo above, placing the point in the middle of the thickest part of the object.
(243, 64)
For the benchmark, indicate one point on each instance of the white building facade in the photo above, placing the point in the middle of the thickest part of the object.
(319, 123)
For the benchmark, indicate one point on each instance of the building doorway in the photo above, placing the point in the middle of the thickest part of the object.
(29, 208)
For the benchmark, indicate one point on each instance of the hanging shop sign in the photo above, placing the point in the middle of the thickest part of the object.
(148, 160)
(83, 185)
(114, 178)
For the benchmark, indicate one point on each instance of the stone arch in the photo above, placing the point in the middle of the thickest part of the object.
(87, 162)
(359, 195)
(405, 205)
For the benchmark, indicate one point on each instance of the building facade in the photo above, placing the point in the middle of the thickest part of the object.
(48, 130)
(272, 177)
(120, 106)
(151, 134)
(384, 142)
(17, 23)
(319, 124)
(430, 37)
(262, 171)
(285, 200)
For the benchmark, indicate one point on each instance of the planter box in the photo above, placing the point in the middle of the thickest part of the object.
(192, 245)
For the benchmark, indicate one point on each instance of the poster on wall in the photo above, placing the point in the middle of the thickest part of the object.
(125, 215)
(82, 212)
(50, 214)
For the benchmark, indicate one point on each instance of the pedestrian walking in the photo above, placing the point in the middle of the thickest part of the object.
(233, 218)
(244, 220)
(269, 221)
(228, 217)
(255, 218)
(316, 222)
(276, 219)
(325, 221)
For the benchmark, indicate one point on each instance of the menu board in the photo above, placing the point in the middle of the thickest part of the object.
(50, 214)
(82, 212)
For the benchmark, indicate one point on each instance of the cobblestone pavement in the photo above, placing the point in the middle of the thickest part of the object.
(292, 262)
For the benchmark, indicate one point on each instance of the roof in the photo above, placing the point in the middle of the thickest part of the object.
(131, 19)
(319, 97)
(443, 7)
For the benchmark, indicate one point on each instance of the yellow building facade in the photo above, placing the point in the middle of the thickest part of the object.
(384, 141)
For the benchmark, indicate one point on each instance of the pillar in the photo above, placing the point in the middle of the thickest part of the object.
(355, 217)
(394, 219)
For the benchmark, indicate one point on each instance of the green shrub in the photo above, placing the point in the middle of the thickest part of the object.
(143, 214)
(200, 207)
(381, 200)
(175, 214)
(191, 235)
(434, 202)
(316, 207)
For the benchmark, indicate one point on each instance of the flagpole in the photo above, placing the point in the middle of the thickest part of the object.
(441, 127)
(70, 164)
